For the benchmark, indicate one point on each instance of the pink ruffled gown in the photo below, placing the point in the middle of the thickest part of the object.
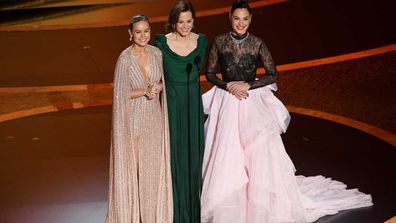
(247, 175)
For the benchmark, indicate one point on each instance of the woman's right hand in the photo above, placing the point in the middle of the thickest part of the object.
(149, 93)
(238, 89)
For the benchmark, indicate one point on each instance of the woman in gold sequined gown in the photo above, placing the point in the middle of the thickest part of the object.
(140, 189)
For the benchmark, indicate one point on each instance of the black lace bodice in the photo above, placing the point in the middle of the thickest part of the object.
(238, 59)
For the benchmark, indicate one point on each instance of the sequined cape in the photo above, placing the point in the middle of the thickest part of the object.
(140, 188)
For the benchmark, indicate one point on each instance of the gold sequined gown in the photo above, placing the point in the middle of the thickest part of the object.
(140, 189)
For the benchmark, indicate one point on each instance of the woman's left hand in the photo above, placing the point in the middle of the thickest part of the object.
(157, 88)
(238, 86)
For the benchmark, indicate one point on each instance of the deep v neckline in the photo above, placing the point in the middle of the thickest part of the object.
(145, 77)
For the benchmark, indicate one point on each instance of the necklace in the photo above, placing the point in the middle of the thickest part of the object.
(239, 39)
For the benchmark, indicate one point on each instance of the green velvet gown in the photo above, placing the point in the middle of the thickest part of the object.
(186, 126)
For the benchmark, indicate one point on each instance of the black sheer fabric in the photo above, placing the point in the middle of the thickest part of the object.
(239, 58)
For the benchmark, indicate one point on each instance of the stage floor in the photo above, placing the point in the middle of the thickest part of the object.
(55, 166)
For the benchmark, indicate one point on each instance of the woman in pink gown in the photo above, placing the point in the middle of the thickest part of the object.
(247, 175)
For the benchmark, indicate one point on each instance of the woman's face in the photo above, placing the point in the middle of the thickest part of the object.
(240, 20)
(185, 23)
(140, 33)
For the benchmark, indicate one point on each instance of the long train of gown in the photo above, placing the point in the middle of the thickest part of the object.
(248, 176)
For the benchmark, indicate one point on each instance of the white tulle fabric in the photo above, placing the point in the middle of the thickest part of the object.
(248, 176)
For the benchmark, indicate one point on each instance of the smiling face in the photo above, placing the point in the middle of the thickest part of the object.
(185, 23)
(240, 20)
(140, 33)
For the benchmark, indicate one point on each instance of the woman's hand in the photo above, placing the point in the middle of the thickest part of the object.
(149, 93)
(157, 88)
(238, 89)
(235, 86)
(152, 90)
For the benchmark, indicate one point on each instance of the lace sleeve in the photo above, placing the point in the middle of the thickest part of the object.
(271, 74)
(211, 68)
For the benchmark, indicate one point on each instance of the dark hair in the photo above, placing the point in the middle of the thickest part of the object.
(241, 4)
(174, 14)
(138, 18)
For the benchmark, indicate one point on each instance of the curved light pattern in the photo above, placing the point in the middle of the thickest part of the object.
(370, 129)
(260, 71)
(378, 132)
(153, 19)
(218, 11)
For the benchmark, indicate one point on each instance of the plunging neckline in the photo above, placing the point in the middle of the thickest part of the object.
(147, 77)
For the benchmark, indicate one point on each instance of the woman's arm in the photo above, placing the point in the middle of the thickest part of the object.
(212, 67)
(140, 93)
(271, 74)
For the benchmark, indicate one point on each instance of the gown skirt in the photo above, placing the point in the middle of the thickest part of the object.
(247, 175)
(186, 129)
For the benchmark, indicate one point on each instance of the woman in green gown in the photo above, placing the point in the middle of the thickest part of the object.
(183, 54)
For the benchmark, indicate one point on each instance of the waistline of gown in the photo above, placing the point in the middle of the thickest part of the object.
(180, 83)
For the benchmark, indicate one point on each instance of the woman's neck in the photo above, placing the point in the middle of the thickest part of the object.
(136, 49)
(238, 36)
(182, 38)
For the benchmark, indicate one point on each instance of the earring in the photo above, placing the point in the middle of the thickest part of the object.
(130, 38)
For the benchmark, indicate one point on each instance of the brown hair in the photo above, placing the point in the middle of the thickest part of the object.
(241, 4)
(138, 18)
(174, 14)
